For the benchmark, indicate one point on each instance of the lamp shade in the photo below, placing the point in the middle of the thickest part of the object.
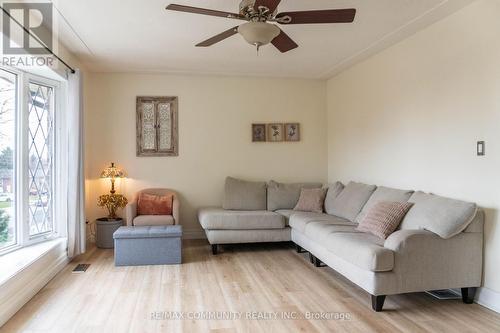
(258, 33)
(112, 172)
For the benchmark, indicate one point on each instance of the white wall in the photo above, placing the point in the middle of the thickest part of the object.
(410, 117)
(215, 117)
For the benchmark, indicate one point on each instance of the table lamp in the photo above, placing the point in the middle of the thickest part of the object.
(112, 172)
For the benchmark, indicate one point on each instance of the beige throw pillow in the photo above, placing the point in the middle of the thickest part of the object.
(384, 218)
(311, 200)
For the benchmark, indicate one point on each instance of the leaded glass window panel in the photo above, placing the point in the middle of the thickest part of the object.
(40, 163)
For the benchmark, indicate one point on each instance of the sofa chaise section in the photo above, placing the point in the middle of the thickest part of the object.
(233, 227)
(252, 212)
(222, 219)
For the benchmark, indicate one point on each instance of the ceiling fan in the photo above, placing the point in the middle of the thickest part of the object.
(258, 31)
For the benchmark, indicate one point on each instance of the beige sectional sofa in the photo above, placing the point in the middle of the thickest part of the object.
(439, 244)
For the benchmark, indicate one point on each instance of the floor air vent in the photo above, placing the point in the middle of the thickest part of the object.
(81, 268)
(444, 294)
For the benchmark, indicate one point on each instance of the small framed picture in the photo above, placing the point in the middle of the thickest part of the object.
(292, 132)
(258, 132)
(275, 132)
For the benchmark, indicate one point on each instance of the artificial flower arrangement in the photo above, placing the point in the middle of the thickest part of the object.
(112, 202)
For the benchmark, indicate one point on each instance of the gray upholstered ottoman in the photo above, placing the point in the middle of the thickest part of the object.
(141, 245)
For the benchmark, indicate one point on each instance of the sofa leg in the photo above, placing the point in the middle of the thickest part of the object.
(318, 263)
(215, 249)
(378, 302)
(299, 249)
(468, 295)
(311, 258)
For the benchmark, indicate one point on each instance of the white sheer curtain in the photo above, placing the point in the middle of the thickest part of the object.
(74, 168)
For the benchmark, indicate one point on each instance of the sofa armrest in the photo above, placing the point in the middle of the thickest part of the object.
(175, 210)
(425, 261)
(130, 213)
(403, 238)
(477, 224)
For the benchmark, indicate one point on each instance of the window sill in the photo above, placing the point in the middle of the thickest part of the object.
(14, 262)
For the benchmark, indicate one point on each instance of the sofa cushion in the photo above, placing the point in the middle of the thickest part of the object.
(363, 250)
(384, 218)
(477, 224)
(351, 200)
(332, 193)
(221, 219)
(152, 220)
(384, 194)
(311, 200)
(442, 216)
(286, 213)
(244, 195)
(319, 231)
(285, 196)
(248, 236)
(300, 220)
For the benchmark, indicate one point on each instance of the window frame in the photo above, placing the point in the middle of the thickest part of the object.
(21, 156)
(15, 183)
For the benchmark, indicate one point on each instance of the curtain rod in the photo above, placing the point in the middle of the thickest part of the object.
(38, 40)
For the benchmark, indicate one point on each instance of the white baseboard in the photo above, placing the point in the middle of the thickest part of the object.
(193, 234)
(488, 298)
(28, 282)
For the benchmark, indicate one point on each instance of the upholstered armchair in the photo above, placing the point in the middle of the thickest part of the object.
(132, 217)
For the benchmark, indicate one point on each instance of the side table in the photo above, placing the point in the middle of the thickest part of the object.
(105, 228)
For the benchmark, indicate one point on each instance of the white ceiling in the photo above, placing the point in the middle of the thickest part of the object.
(141, 36)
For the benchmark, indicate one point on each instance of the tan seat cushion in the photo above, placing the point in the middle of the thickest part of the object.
(319, 231)
(299, 220)
(363, 250)
(286, 213)
(152, 220)
(221, 219)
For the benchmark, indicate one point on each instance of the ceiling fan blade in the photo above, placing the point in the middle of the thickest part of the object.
(271, 4)
(218, 38)
(204, 11)
(284, 43)
(319, 16)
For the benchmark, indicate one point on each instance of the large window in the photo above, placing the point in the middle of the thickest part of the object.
(27, 150)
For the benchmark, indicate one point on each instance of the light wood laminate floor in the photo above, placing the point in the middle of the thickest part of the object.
(244, 278)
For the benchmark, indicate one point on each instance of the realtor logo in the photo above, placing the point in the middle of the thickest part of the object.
(27, 28)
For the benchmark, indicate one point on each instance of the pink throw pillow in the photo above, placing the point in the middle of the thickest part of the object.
(149, 204)
(384, 218)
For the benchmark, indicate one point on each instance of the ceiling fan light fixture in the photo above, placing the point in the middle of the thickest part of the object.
(258, 33)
